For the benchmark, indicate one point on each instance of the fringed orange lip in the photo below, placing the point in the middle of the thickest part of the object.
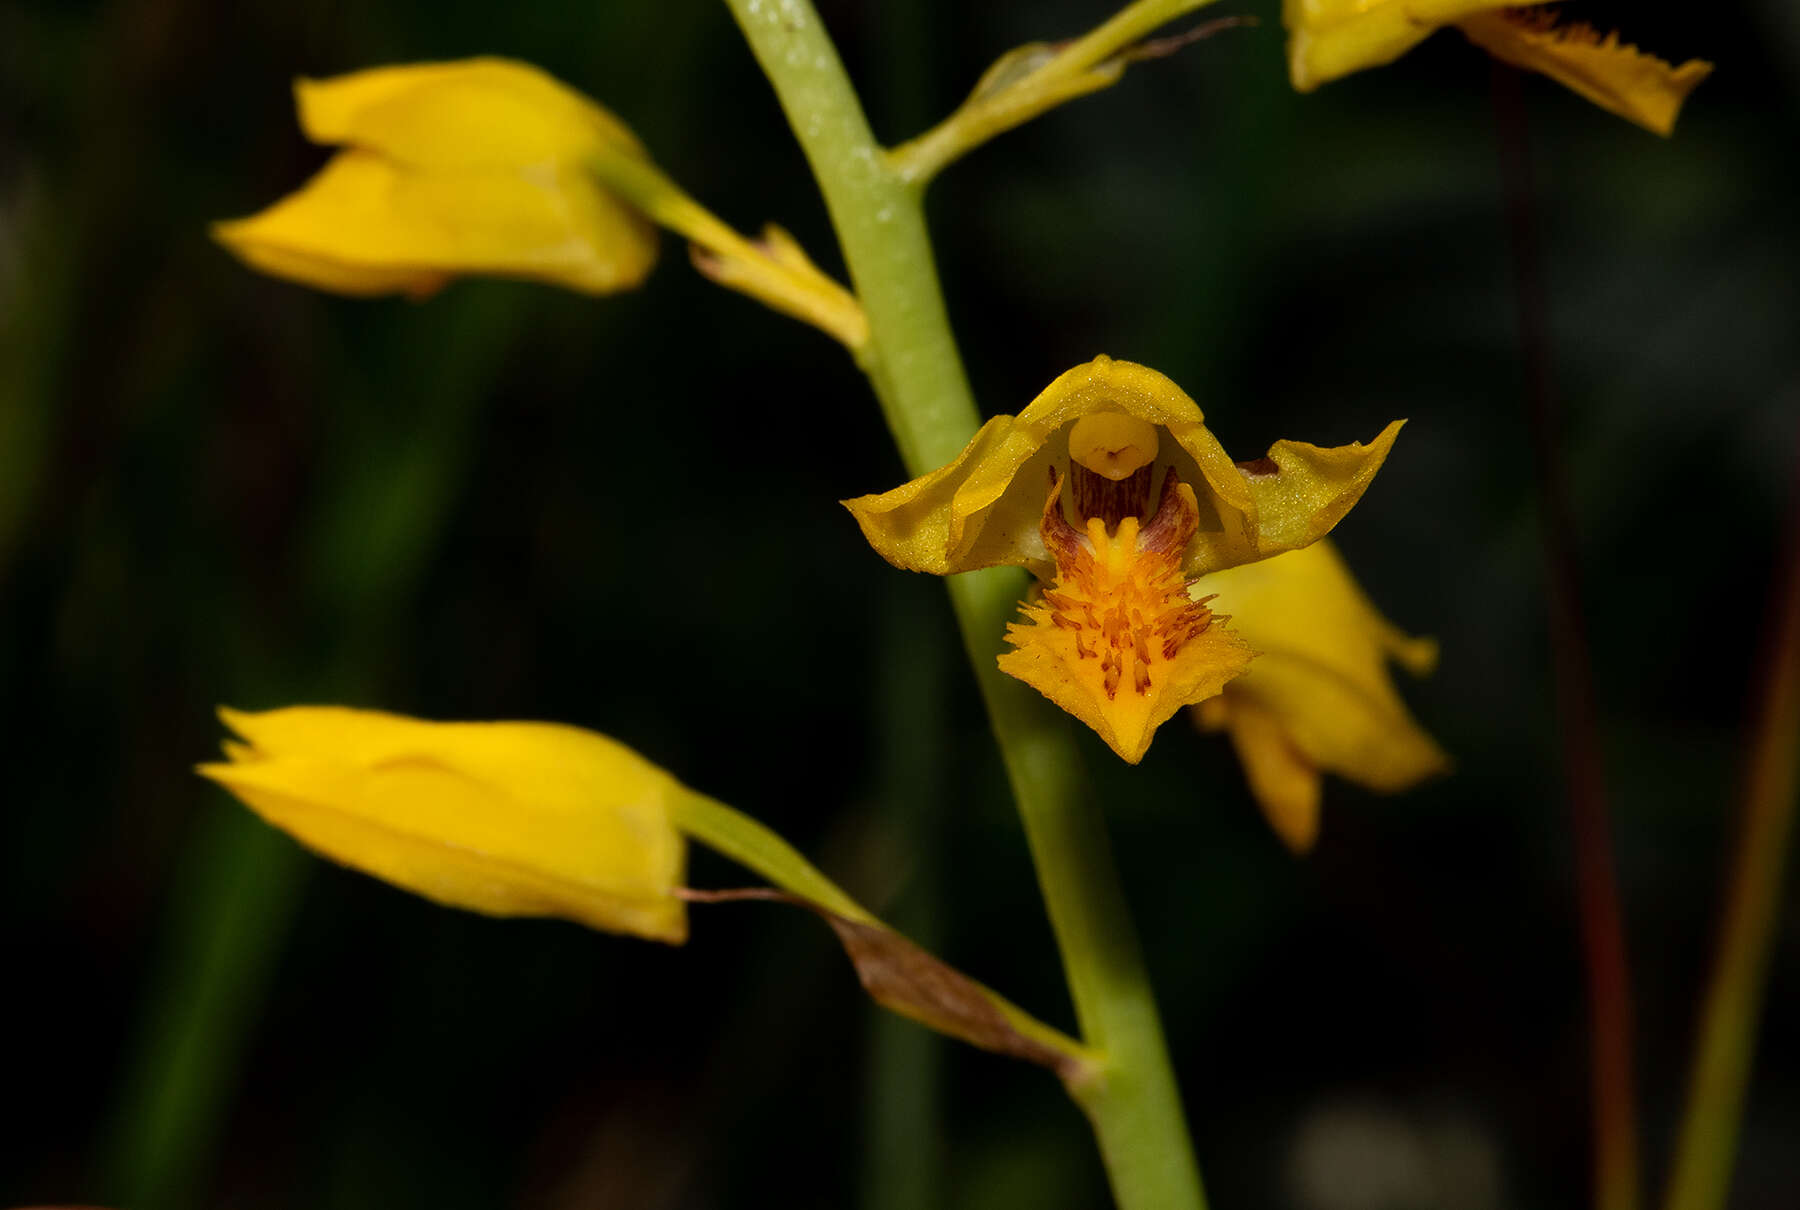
(1117, 640)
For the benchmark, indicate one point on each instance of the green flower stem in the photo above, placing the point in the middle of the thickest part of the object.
(758, 848)
(1130, 1095)
(880, 226)
(1707, 1143)
(1131, 1098)
(1090, 62)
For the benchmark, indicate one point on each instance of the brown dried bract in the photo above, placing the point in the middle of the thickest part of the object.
(906, 979)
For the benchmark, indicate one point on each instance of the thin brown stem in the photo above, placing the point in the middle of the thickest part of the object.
(1616, 1164)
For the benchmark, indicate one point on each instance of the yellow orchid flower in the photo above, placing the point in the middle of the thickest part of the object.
(1110, 488)
(1332, 38)
(1319, 697)
(481, 166)
(510, 819)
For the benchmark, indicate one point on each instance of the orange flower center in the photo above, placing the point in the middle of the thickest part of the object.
(1121, 595)
(1117, 639)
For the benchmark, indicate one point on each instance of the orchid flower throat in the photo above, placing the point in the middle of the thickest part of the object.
(1118, 623)
(1118, 595)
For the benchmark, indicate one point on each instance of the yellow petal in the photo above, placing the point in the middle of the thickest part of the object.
(984, 508)
(1299, 492)
(1321, 667)
(320, 271)
(1284, 781)
(364, 225)
(511, 819)
(911, 526)
(471, 113)
(1332, 38)
(1619, 78)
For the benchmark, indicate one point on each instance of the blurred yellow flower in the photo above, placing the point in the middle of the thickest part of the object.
(1110, 488)
(1332, 38)
(1318, 698)
(510, 819)
(481, 166)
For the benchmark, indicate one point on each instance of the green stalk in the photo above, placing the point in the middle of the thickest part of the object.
(1130, 1096)
(1707, 1144)
(1091, 62)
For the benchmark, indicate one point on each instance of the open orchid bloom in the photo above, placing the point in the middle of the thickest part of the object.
(1332, 38)
(1318, 698)
(1110, 488)
(481, 166)
(510, 819)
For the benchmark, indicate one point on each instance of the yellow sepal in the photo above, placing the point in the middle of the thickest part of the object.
(1617, 77)
(983, 509)
(470, 113)
(365, 225)
(1298, 494)
(1321, 682)
(1284, 781)
(510, 819)
(482, 166)
(1332, 38)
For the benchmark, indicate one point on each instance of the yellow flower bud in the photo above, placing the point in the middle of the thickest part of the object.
(510, 819)
(482, 166)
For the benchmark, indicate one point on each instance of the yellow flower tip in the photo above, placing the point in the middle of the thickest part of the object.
(510, 819)
(1116, 640)
(1418, 654)
(1612, 74)
(479, 167)
(1284, 781)
(263, 243)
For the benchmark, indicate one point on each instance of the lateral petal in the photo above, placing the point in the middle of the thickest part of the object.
(1612, 74)
(1299, 493)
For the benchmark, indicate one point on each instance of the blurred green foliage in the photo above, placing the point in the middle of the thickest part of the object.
(621, 513)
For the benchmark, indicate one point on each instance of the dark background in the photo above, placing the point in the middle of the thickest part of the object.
(513, 502)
